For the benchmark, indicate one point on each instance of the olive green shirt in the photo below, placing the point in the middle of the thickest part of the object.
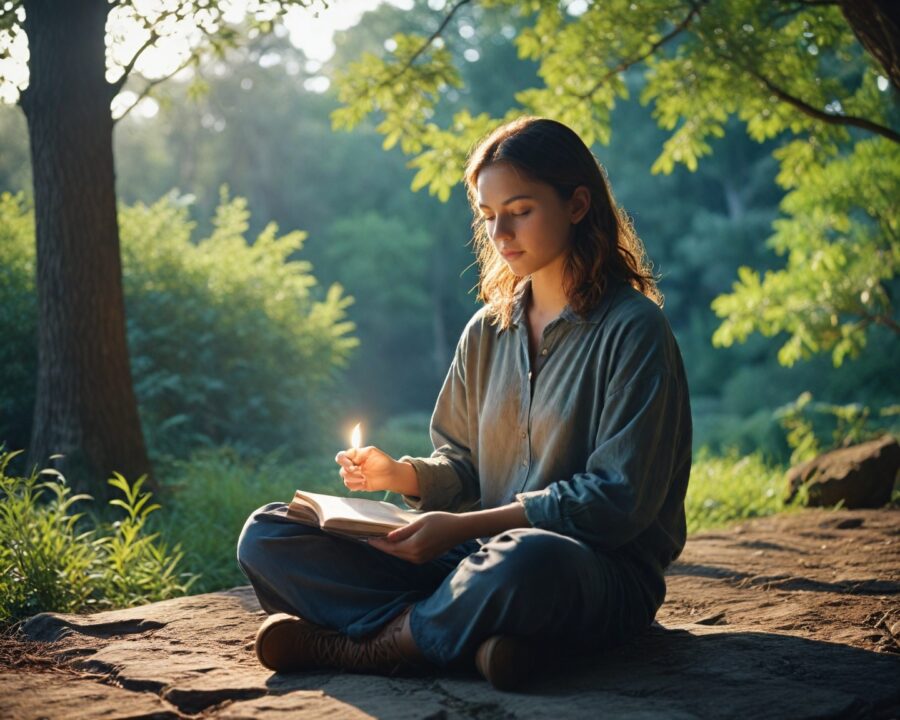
(594, 440)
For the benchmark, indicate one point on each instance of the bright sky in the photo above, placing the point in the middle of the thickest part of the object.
(314, 34)
(310, 29)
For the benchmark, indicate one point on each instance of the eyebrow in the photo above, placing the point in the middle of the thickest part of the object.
(509, 200)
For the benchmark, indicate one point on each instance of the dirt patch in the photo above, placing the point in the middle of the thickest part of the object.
(832, 576)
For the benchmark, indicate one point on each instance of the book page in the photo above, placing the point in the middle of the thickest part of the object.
(355, 513)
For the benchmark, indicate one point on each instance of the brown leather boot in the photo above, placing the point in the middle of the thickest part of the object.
(507, 662)
(285, 644)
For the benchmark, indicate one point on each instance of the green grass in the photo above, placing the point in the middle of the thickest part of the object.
(731, 487)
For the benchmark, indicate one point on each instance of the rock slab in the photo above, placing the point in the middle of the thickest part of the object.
(795, 616)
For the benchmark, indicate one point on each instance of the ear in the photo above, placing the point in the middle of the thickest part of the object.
(579, 204)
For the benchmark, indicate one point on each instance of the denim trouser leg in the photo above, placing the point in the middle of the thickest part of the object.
(527, 582)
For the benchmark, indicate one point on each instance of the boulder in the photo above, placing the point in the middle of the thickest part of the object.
(862, 476)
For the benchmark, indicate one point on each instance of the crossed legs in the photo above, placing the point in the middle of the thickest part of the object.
(531, 584)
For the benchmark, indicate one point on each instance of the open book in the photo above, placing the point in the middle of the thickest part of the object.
(356, 517)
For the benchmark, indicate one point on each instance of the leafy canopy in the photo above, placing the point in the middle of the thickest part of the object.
(791, 72)
(148, 40)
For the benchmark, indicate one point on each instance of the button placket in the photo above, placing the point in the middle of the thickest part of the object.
(526, 400)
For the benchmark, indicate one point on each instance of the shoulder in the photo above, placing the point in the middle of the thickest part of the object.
(478, 328)
(632, 313)
(637, 333)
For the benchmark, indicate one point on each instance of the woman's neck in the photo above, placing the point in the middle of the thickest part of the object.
(548, 297)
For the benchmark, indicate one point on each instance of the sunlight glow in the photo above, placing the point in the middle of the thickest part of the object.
(312, 32)
(310, 29)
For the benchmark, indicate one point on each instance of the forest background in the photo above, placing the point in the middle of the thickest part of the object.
(246, 393)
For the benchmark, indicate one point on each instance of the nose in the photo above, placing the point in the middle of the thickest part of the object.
(502, 229)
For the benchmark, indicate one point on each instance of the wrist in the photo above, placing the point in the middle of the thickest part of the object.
(484, 523)
(407, 478)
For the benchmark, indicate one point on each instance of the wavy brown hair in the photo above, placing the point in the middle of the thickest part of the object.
(604, 245)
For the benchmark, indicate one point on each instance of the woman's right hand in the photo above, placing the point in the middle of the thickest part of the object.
(369, 469)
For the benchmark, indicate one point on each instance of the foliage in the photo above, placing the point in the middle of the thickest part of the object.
(791, 73)
(229, 340)
(18, 319)
(385, 262)
(730, 487)
(841, 242)
(807, 425)
(52, 560)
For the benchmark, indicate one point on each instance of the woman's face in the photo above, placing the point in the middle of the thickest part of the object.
(528, 222)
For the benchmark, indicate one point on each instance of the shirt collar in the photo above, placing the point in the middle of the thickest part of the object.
(520, 302)
(594, 315)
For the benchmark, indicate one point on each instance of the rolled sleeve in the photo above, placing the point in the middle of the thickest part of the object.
(439, 484)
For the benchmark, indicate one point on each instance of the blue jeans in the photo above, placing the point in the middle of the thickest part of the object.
(532, 583)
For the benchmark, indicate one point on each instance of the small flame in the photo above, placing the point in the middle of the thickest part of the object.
(356, 437)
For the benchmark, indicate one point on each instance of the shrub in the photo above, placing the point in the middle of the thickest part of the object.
(230, 341)
(54, 560)
(18, 320)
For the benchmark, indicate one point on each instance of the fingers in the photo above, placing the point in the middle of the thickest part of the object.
(403, 550)
(348, 459)
(354, 480)
(401, 533)
(351, 473)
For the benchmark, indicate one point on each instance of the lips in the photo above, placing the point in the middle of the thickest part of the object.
(510, 254)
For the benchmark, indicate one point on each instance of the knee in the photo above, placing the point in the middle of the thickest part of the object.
(532, 556)
(253, 532)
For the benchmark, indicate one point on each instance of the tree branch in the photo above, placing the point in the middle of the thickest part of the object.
(821, 115)
(153, 83)
(118, 84)
(625, 64)
(888, 322)
(880, 319)
(434, 36)
(179, 13)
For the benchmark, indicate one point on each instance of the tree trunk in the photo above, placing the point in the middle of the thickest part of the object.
(85, 406)
(876, 24)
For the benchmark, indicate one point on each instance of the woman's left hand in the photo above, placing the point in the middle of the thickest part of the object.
(424, 539)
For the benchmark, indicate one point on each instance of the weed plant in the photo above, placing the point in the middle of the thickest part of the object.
(54, 559)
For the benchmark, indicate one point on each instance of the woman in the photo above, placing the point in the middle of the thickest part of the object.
(554, 499)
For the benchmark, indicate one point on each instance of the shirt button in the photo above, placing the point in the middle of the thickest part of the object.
(524, 435)
(524, 463)
(544, 351)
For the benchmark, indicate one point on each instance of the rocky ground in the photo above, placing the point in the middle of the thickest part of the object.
(795, 616)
